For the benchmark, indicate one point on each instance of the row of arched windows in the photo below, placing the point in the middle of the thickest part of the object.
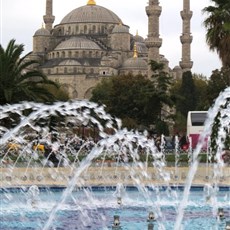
(83, 29)
(76, 54)
(71, 70)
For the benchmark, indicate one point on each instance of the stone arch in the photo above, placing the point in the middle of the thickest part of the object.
(75, 93)
(88, 93)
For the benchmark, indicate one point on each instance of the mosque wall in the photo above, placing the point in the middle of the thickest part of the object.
(78, 54)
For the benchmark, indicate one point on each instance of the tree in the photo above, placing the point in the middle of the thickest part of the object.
(19, 80)
(201, 84)
(219, 80)
(162, 82)
(187, 100)
(137, 100)
(218, 29)
(127, 97)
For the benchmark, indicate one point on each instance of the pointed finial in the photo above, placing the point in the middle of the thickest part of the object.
(137, 33)
(135, 54)
(91, 2)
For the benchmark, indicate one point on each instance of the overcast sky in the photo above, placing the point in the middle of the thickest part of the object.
(20, 19)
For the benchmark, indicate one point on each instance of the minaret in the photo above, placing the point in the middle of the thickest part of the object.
(186, 38)
(153, 42)
(49, 18)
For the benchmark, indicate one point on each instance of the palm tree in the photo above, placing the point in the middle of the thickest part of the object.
(218, 29)
(19, 80)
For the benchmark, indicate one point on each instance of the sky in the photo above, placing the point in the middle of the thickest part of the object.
(19, 19)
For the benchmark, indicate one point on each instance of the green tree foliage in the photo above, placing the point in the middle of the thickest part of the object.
(162, 83)
(138, 101)
(187, 92)
(201, 84)
(58, 92)
(217, 25)
(19, 80)
(216, 130)
(200, 92)
(219, 80)
(126, 97)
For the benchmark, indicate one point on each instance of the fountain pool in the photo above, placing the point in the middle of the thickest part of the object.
(95, 208)
(96, 153)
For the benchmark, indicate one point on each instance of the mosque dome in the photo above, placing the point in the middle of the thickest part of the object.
(42, 32)
(120, 29)
(91, 13)
(138, 38)
(78, 43)
(141, 48)
(177, 68)
(69, 62)
(135, 63)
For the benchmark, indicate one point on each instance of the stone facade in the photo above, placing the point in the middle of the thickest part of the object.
(92, 43)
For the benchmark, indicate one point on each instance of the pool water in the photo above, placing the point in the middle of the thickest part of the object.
(94, 208)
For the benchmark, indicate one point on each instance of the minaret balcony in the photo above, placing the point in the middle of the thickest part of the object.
(186, 15)
(186, 64)
(153, 10)
(153, 42)
(185, 38)
(49, 18)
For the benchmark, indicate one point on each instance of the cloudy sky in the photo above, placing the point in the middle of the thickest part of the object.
(20, 19)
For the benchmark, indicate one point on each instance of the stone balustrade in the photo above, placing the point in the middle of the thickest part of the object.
(11, 177)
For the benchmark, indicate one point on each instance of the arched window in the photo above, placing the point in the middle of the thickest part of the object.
(102, 29)
(94, 29)
(75, 94)
(77, 29)
(85, 29)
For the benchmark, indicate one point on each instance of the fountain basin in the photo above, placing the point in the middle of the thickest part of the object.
(100, 207)
(98, 175)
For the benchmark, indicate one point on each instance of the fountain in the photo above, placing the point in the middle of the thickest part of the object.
(70, 164)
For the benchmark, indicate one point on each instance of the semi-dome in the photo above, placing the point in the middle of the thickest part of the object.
(42, 32)
(91, 13)
(78, 43)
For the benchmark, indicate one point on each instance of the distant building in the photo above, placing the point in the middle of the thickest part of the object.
(91, 43)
